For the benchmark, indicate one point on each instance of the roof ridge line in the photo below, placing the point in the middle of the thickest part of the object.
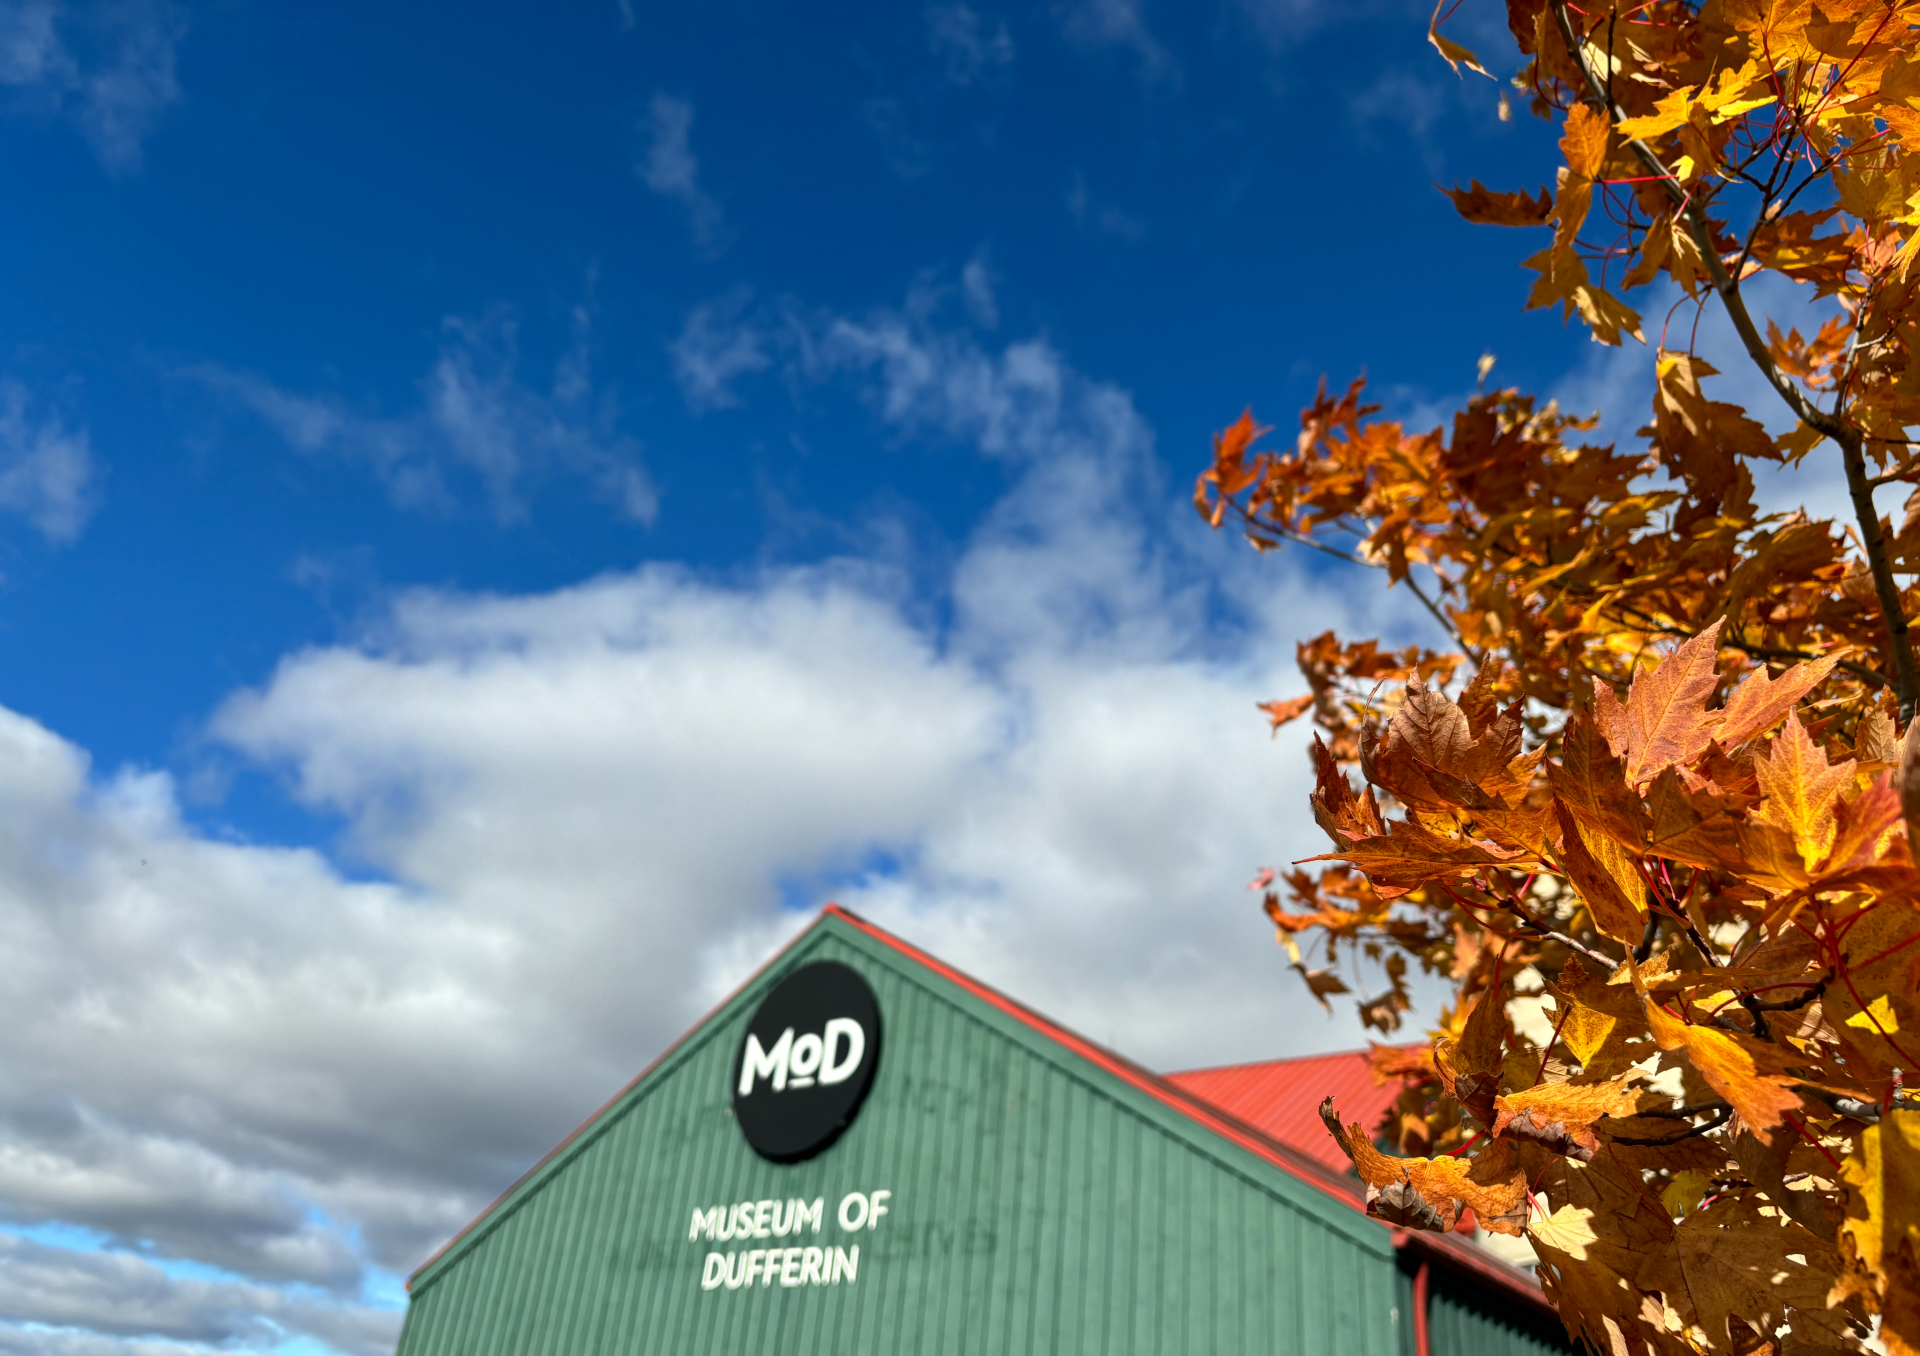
(1449, 1247)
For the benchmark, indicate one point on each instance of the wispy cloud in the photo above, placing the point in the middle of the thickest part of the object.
(673, 171)
(1103, 218)
(47, 474)
(720, 342)
(477, 420)
(973, 46)
(908, 154)
(977, 282)
(1094, 24)
(115, 89)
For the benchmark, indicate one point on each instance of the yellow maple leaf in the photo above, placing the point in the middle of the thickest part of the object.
(1667, 114)
(1878, 1016)
(1801, 788)
(1880, 1238)
(1568, 1229)
(1684, 1193)
(1585, 1031)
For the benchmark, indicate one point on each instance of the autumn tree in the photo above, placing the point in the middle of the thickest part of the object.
(1661, 838)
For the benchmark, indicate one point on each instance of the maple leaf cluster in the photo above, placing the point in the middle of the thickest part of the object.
(1661, 838)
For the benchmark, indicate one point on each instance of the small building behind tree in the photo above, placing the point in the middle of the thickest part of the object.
(866, 1151)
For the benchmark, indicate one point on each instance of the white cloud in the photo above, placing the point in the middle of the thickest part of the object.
(91, 1293)
(1122, 24)
(116, 90)
(477, 421)
(673, 171)
(972, 46)
(46, 470)
(591, 811)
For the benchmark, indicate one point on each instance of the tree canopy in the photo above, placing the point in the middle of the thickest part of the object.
(1661, 836)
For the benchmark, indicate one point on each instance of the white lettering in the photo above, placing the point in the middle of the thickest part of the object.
(838, 1070)
(805, 1059)
(705, 1224)
(762, 1218)
(847, 1223)
(808, 1214)
(879, 1200)
(758, 1063)
(793, 1267)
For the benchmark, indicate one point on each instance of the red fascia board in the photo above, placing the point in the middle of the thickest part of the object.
(1291, 1161)
(1340, 1187)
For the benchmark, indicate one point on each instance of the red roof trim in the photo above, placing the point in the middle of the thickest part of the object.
(1229, 1127)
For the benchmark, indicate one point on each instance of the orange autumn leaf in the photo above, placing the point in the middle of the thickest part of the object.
(1560, 1116)
(1665, 720)
(1747, 1074)
(1428, 1193)
(1761, 702)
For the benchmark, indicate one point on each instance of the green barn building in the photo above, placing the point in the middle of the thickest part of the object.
(865, 1151)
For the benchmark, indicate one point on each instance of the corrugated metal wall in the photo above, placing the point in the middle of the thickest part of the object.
(1464, 1319)
(1037, 1207)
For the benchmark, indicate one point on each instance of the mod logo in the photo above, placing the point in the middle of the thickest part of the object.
(806, 1061)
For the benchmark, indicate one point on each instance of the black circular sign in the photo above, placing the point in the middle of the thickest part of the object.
(806, 1061)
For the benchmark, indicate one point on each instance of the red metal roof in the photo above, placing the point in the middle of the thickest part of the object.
(1281, 1097)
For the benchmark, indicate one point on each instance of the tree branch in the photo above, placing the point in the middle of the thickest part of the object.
(1852, 452)
(1852, 1107)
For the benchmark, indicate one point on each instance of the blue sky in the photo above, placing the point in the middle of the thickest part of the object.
(1208, 209)
(503, 512)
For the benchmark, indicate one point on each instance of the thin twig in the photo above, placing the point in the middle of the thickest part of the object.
(1793, 1004)
(1682, 1113)
(1719, 1118)
(1540, 929)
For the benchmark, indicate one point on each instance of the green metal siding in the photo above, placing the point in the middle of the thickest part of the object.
(1463, 1319)
(1040, 1205)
